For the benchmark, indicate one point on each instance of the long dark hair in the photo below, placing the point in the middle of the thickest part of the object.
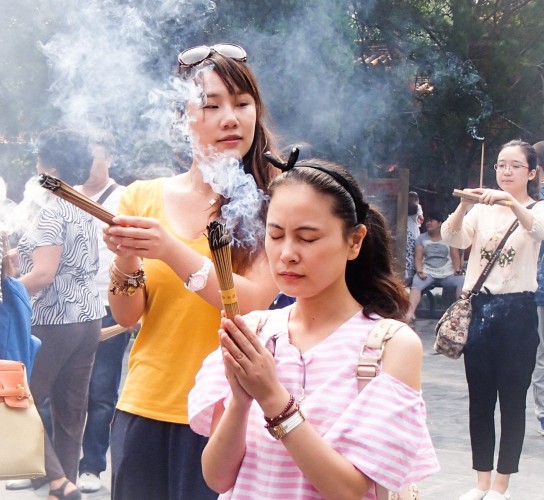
(238, 77)
(533, 186)
(370, 277)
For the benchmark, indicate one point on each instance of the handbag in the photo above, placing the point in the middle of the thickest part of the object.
(452, 328)
(368, 367)
(22, 436)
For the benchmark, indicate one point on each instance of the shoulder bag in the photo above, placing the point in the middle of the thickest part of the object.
(368, 368)
(22, 435)
(452, 328)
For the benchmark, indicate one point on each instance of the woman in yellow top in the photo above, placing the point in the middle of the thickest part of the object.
(154, 452)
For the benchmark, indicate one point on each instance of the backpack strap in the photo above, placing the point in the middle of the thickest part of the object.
(369, 363)
(368, 368)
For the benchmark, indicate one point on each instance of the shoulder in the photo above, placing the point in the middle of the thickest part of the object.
(145, 185)
(421, 238)
(142, 197)
(403, 357)
(538, 207)
(404, 339)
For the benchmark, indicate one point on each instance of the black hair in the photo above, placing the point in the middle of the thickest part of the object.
(533, 185)
(435, 215)
(370, 277)
(539, 149)
(68, 152)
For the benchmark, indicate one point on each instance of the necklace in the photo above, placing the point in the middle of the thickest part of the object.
(211, 201)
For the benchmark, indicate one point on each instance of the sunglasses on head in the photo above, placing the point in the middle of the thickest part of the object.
(195, 55)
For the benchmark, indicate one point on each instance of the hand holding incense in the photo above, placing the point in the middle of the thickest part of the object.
(219, 241)
(476, 198)
(68, 193)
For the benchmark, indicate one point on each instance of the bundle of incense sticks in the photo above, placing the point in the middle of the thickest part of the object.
(68, 193)
(219, 241)
(474, 197)
(111, 331)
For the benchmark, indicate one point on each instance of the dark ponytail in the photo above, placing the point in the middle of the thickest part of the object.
(371, 278)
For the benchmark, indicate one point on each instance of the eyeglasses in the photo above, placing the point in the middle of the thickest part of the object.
(195, 55)
(501, 167)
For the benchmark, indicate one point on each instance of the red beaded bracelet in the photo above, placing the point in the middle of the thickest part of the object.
(277, 419)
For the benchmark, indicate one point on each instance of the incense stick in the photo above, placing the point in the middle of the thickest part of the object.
(219, 241)
(482, 165)
(68, 193)
(111, 331)
(476, 198)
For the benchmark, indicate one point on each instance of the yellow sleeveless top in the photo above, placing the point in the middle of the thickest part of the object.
(179, 329)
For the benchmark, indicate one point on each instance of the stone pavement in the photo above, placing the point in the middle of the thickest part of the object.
(446, 397)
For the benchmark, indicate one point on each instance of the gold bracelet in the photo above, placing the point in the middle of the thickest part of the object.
(132, 282)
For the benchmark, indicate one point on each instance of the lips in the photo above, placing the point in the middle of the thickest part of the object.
(230, 138)
(290, 276)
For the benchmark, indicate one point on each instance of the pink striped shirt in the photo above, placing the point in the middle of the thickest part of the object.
(381, 431)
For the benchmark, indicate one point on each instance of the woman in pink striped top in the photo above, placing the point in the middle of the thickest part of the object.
(282, 406)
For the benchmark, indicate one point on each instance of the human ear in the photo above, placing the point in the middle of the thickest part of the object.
(356, 241)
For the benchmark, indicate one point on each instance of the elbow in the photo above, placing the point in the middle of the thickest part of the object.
(347, 493)
(37, 281)
(124, 317)
(218, 484)
(125, 320)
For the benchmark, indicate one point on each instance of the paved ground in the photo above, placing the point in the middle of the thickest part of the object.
(447, 407)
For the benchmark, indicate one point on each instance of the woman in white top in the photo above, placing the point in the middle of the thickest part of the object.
(501, 348)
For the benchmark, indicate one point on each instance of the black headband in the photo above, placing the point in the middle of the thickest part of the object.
(292, 162)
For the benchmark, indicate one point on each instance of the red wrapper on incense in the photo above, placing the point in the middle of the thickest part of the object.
(68, 193)
(219, 241)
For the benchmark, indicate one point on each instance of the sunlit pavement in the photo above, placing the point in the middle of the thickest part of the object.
(445, 393)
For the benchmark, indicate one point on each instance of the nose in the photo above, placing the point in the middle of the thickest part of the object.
(230, 119)
(288, 253)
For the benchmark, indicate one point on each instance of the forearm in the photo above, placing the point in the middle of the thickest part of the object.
(328, 471)
(35, 281)
(126, 309)
(255, 290)
(455, 259)
(524, 215)
(223, 455)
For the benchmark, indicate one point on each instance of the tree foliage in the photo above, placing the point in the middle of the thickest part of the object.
(343, 77)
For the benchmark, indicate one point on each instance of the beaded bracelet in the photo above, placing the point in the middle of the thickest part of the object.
(283, 418)
(131, 283)
(278, 418)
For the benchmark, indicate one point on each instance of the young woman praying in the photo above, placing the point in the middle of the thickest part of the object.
(282, 406)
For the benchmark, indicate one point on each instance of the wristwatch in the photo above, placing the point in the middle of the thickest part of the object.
(197, 281)
(282, 429)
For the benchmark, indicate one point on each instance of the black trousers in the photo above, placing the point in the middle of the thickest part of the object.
(156, 460)
(499, 361)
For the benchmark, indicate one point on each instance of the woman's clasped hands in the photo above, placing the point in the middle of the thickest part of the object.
(249, 366)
